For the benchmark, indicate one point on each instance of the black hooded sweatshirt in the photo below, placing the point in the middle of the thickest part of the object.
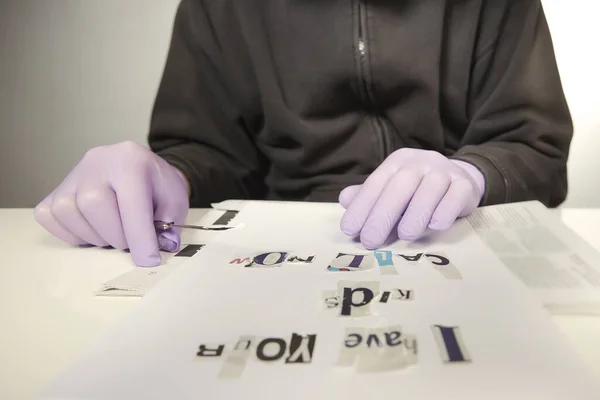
(297, 99)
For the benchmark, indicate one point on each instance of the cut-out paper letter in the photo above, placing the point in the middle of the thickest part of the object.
(396, 294)
(331, 299)
(189, 250)
(226, 217)
(357, 297)
(295, 258)
(239, 260)
(301, 349)
(205, 351)
(385, 260)
(450, 343)
(351, 262)
(442, 264)
(377, 349)
(276, 349)
(235, 362)
(269, 260)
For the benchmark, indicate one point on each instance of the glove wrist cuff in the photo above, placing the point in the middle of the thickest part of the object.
(475, 174)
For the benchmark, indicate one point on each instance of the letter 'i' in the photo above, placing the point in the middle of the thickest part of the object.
(450, 343)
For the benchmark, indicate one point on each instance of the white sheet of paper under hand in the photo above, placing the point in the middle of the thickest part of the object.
(226, 328)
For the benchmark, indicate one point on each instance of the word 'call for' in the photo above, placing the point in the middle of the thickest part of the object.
(346, 262)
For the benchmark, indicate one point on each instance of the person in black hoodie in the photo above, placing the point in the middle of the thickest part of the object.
(409, 113)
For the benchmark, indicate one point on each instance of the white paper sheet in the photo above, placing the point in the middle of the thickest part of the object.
(562, 269)
(504, 345)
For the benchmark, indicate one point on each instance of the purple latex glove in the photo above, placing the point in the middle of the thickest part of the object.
(112, 197)
(414, 189)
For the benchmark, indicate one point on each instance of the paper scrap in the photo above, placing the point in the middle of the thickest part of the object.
(385, 259)
(543, 253)
(236, 360)
(189, 250)
(135, 282)
(345, 262)
(226, 218)
(378, 349)
(356, 297)
(450, 344)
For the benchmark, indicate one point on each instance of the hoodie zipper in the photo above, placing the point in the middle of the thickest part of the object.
(365, 92)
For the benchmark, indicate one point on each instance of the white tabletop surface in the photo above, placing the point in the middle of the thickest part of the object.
(49, 313)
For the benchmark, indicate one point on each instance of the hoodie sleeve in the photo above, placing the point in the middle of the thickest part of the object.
(520, 128)
(195, 126)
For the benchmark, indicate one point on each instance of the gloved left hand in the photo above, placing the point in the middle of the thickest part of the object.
(414, 189)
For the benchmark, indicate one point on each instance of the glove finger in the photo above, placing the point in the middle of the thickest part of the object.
(452, 205)
(348, 194)
(389, 208)
(99, 207)
(43, 215)
(171, 208)
(65, 210)
(134, 198)
(423, 204)
(357, 213)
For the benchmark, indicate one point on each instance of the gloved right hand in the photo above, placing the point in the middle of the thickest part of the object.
(112, 198)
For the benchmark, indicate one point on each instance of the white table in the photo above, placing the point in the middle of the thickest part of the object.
(49, 314)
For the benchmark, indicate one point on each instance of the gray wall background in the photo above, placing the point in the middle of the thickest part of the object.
(75, 74)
